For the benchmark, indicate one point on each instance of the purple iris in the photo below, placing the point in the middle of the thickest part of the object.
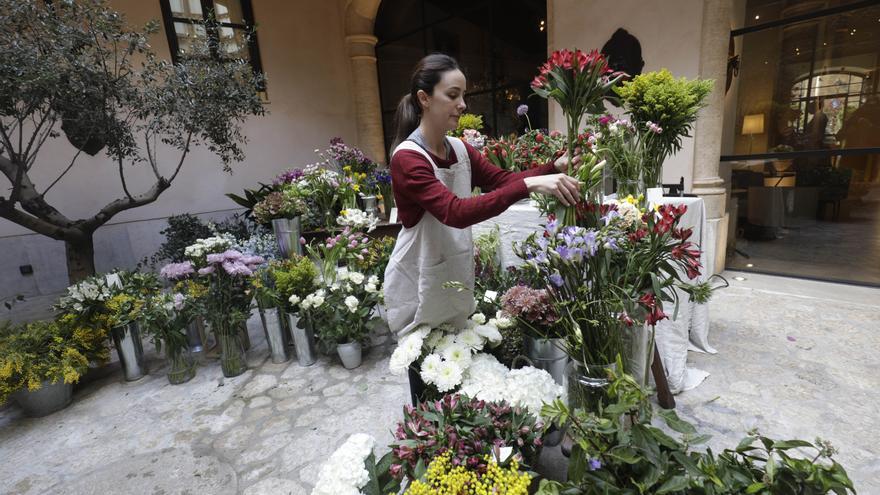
(595, 464)
(611, 244)
(563, 252)
(552, 226)
(590, 243)
(556, 279)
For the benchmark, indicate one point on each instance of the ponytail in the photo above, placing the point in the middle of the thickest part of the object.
(406, 120)
(426, 75)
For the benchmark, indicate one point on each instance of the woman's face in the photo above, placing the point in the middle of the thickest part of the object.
(445, 106)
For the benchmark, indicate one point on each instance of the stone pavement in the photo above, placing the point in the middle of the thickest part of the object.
(796, 359)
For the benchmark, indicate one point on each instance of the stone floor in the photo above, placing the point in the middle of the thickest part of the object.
(796, 359)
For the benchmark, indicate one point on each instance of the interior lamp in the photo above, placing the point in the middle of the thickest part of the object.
(753, 124)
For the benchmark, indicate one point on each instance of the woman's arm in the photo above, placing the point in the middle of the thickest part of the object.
(417, 189)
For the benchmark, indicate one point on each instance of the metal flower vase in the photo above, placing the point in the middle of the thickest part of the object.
(50, 397)
(371, 205)
(548, 355)
(587, 384)
(277, 337)
(303, 339)
(351, 354)
(287, 232)
(130, 349)
(181, 366)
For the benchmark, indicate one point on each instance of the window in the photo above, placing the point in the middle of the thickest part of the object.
(185, 21)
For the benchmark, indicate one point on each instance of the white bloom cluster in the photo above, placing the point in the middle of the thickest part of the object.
(314, 300)
(629, 213)
(474, 138)
(448, 351)
(83, 294)
(357, 219)
(527, 387)
(502, 321)
(203, 247)
(345, 473)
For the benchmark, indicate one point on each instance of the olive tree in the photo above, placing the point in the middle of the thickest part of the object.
(77, 70)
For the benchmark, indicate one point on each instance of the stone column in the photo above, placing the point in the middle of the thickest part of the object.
(365, 84)
(708, 130)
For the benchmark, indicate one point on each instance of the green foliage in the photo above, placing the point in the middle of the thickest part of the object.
(288, 202)
(182, 231)
(376, 259)
(467, 121)
(293, 278)
(618, 450)
(671, 103)
(47, 351)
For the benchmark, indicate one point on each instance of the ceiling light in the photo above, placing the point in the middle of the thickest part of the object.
(757, 17)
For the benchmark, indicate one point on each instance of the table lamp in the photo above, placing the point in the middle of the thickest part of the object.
(753, 124)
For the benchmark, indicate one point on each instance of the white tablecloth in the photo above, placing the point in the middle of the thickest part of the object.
(690, 329)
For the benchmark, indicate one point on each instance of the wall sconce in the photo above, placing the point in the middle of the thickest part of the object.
(753, 124)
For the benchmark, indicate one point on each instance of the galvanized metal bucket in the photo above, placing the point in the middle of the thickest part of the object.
(127, 340)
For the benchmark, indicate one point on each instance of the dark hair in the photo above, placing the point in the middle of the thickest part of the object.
(425, 76)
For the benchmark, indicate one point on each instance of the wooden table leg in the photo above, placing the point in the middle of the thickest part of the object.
(664, 396)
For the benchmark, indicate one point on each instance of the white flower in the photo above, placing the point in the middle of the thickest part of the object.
(471, 339)
(446, 340)
(448, 376)
(342, 274)
(351, 303)
(373, 280)
(345, 472)
(356, 278)
(430, 367)
(357, 219)
(459, 354)
(489, 331)
(434, 338)
(408, 350)
(294, 300)
(479, 318)
(370, 288)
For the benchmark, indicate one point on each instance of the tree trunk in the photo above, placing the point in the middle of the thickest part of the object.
(80, 258)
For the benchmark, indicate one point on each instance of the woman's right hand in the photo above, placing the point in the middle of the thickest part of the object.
(564, 187)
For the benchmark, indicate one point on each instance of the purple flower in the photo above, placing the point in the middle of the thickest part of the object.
(288, 177)
(522, 110)
(206, 270)
(178, 301)
(233, 255)
(215, 258)
(563, 252)
(611, 244)
(302, 241)
(237, 268)
(605, 119)
(656, 129)
(611, 215)
(595, 464)
(174, 271)
(253, 260)
(590, 241)
(556, 279)
(383, 177)
(552, 226)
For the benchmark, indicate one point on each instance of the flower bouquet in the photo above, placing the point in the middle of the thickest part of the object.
(286, 203)
(345, 247)
(165, 317)
(579, 82)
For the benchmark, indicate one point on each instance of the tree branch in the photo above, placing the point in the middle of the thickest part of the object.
(122, 178)
(182, 156)
(31, 222)
(120, 205)
(151, 157)
(27, 195)
(43, 194)
(31, 158)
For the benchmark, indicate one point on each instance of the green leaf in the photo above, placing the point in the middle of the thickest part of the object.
(755, 487)
(372, 486)
(790, 444)
(674, 484)
(676, 423)
(745, 444)
(770, 467)
(420, 469)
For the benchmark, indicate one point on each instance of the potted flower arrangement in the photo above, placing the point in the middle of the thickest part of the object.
(227, 305)
(534, 310)
(165, 317)
(283, 209)
(345, 308)
(129, 291)
(626, 150)
(40, 361)
(293, 280)
(348, 246)
(670, 106)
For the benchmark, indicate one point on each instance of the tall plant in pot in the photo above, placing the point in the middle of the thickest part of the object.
(660, 101)
(294, 280)
(346, 307)
(284, 210)
(165, 318)
(40, 361)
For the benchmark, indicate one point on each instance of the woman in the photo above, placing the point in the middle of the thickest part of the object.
(433, 176)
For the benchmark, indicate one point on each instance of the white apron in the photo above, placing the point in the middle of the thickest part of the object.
(429, 254)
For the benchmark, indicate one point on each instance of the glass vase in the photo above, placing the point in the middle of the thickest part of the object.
(232, 355)
(587, 384)
(630, 187)
(181, 366)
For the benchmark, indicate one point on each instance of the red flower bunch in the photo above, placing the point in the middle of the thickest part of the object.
(655, 314)
(690, 255)
(571, 60)
(669, 215)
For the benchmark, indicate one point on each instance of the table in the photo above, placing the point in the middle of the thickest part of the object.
(690, 329)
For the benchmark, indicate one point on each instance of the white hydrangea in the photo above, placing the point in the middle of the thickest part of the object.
(345, 471)
(629, 213)
(202, 247)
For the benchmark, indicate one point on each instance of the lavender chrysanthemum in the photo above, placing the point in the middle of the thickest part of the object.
(175, 271)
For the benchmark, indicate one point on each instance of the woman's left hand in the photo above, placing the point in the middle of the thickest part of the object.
(561, 163)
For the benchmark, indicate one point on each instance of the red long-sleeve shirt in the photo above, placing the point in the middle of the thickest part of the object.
(417, 189)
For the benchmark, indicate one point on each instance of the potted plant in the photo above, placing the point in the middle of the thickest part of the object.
(40, 361)
(293, 280)
(345, 308)
(283, 209)
(269, 304)
(658, 99)
(166, 317)
(544, 345)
